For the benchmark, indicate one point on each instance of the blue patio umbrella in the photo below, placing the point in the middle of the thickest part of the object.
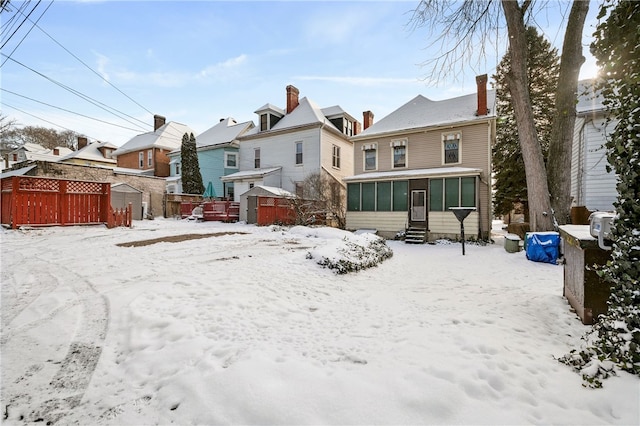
(210, 192)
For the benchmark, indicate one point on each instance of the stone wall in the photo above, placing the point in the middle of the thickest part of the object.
(153, 188)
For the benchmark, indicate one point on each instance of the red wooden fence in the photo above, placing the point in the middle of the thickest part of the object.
(273, 210)
(28, 200)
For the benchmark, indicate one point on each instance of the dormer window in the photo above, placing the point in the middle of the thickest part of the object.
(269, 116)
(267, 121)
(343, 124)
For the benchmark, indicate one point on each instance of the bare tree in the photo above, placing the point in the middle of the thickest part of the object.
(469, 26)
(321, 197)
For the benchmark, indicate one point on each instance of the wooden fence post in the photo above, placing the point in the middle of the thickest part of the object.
(15, 183)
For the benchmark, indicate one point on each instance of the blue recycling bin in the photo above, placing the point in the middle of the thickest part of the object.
(542, 246)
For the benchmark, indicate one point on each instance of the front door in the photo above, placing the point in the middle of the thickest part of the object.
(418, 205)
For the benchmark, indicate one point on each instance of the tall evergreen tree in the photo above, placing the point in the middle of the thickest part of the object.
(191, 176)
(508, 165)
(614, 341)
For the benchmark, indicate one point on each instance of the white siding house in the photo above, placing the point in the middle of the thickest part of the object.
(289, 145)
(591, 185)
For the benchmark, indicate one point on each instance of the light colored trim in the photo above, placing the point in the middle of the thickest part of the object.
(443, 138)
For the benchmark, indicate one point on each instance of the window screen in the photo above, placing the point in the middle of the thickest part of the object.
(384, 197)
(400, 194)
(368, 197)
(435, 195)
(451, 191)
(353, 197)
(468, 188)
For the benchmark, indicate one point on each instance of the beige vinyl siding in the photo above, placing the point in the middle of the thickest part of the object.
(424, 149)
(445, 225)
(386, 223)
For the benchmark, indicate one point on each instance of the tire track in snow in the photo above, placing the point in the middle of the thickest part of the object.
(72, 378)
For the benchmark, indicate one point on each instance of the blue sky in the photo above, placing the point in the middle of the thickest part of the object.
(199, 61)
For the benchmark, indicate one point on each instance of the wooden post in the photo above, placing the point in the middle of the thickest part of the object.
(63, 202)
(15, 183)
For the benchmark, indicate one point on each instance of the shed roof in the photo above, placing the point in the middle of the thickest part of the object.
(268, 191)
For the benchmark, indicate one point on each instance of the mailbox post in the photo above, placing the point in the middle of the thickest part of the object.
(461, 213)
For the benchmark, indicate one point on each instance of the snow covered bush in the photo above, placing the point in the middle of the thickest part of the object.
(344, 251)
(614, 342)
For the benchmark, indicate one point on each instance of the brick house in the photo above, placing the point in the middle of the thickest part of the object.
(148, 152)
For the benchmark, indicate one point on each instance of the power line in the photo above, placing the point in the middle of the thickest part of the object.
(91, 69)
(66, 110)
(23, 21)
(28, 32)
(42, 119)
(97, 103)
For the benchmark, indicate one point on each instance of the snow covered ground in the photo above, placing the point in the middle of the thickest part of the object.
(242, 327)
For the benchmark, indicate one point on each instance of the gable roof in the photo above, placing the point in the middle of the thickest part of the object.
(421, 112)
(268, 191)
(168, 136)
(227, 130)
(306, 113)
(589, 100)
(92, 152)
(35, 152)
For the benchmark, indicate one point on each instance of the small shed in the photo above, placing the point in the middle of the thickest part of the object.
(122, 194)
(272, 199)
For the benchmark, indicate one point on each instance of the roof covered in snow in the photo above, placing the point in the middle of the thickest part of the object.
(262, 190)
(589, 100)
(249, 174)
(421, 112)
(92, 152)
(168, 136)
(226, 131)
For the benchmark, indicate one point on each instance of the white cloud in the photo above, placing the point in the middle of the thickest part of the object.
(102, 63)
(221, 69)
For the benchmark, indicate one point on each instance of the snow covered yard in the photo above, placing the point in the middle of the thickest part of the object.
(242, 327)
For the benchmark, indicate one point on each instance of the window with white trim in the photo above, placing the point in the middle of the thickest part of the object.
(336, 157)
(256, 158)
(231, 160)
(150, 158)
(370, 156)
(141, 159)
(399, 153)
(298, 153)
(451, 143)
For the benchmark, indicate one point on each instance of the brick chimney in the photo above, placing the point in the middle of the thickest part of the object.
(82, 142)
(158, 121)
(481, 82)
(292, 98)
(367, 120)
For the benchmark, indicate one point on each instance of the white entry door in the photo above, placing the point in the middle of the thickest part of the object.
(418, 205)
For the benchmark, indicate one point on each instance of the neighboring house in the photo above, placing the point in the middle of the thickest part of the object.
(217, 156)
(149, 151)
(422, 159)
(34, 152)
(289, 145)
(92, 154)
(591, 185)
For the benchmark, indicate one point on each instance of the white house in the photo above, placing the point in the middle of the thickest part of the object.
(591, 185)
(289, 145)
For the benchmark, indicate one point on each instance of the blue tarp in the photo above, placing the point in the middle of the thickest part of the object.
(542, 246)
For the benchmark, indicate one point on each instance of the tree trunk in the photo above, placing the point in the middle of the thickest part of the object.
(537, 189)
(559, 161)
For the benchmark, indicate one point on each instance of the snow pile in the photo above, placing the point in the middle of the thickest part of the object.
(344, 251)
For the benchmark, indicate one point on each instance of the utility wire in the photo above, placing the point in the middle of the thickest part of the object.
(23, 21)
(28, 32)
(66, 110)
(91, 69)
(42, 119)
(81, 95)
(8, 26)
